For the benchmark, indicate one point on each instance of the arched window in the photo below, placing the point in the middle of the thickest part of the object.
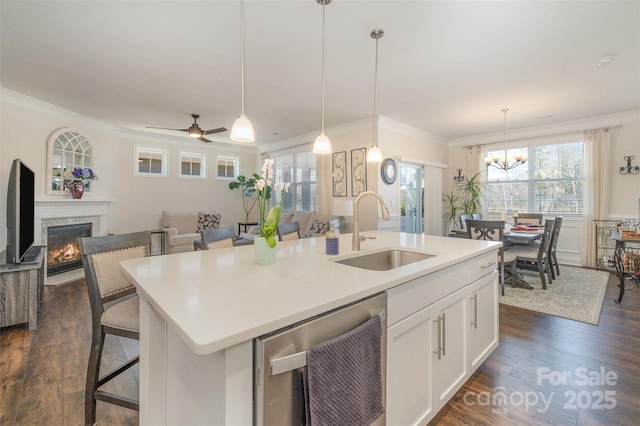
(68, 149)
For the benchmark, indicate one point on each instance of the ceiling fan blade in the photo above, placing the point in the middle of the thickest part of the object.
(218, 130)
(204, 139)
(166, 128)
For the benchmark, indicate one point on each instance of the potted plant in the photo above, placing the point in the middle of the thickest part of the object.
(248, 187)
(465, 197)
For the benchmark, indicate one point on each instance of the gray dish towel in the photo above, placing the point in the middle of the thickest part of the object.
(343, 382)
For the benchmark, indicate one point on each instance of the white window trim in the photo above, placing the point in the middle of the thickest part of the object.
(236, 161)
(203, 165)
(141, 149)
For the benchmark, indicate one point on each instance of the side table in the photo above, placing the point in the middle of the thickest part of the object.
(245, 226)
(162, 237)
(619, 264)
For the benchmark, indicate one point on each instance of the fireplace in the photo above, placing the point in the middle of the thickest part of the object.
(63, 253)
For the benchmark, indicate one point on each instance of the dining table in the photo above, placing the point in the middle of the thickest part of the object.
(523, 237)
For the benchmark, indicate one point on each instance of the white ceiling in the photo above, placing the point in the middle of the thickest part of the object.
(447, 67)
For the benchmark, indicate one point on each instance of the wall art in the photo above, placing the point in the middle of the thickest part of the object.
(358, 171)
(339, 174)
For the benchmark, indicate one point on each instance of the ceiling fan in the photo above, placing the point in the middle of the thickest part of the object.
(195, 131)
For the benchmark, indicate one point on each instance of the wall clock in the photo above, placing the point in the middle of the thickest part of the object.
(389, 171)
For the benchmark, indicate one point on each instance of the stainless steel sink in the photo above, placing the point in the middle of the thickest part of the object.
(385, 260)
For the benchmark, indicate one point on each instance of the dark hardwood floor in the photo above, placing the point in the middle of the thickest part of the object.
(42, 372)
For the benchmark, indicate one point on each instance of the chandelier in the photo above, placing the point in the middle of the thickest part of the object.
(503, 163)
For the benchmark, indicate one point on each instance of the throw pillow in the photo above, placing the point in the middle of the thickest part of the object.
(316, 228)
(208, 221)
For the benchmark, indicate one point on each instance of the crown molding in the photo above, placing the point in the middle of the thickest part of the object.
(573, 127)
(33, 104)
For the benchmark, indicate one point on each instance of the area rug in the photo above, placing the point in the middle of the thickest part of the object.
(576, 294)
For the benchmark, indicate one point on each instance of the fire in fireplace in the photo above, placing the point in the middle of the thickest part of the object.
(63, 253)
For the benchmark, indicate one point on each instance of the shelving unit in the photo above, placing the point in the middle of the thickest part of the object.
(605, 246)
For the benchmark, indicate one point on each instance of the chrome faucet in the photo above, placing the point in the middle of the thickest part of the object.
(355, 244)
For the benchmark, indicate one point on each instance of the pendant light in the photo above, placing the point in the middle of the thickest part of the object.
(242, 130)
(322, 144)
(375, 155)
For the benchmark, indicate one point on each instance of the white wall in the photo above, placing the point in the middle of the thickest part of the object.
(25, 127)
(625, 190)
(396, 140)
(415, 146)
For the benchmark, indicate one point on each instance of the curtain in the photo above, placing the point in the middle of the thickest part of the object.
(323, 183)
(597, 188)
(475, 161)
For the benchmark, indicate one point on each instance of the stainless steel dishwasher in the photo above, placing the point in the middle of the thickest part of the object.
(280, 357)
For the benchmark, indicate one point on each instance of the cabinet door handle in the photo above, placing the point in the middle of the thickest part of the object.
(439, 351)
(488, 264)
(444, 336)
(474, 323)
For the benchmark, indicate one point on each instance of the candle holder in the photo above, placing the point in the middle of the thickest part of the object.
(629, 169)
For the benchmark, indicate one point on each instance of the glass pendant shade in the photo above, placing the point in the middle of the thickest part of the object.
(374, 155)
(322, 144)
(242, 130)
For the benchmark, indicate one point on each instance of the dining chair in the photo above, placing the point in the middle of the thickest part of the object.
(463, 220)
(114, 309)
(494, 230)
(537, 254)
(215, 238)
(289, 231)
(529, 218)
(553, 259)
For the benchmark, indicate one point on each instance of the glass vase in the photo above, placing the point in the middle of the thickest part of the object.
(265, 255)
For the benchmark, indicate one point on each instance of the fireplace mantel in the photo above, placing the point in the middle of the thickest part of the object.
(47, 209)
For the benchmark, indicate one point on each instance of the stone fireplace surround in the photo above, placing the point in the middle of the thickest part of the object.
(67, 211)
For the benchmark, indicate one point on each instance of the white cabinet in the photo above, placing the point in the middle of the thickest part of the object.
(450, 368)
(409, 369)
(441, 328)
(483, 319)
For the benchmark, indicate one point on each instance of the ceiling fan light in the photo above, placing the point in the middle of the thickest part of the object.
(374, 155)
(322, 144)
(195, 132)
(242, 130)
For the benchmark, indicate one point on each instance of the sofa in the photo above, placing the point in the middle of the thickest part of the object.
(182, 228)
(311, 224)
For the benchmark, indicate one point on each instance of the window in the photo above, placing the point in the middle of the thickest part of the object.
(227, 167)
(300, 170)
(67, 149)
(549, 182)
(192, 165)
(150, 162)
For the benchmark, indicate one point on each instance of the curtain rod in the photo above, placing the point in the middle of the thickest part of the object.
(602, 129)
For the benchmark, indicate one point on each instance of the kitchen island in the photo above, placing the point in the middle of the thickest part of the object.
(200, 312)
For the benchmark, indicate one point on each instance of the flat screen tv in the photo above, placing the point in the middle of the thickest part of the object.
(20, 211)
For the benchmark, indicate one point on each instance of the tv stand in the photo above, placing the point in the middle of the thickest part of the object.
(21, 287)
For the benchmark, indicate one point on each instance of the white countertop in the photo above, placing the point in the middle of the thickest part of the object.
(217, 298)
